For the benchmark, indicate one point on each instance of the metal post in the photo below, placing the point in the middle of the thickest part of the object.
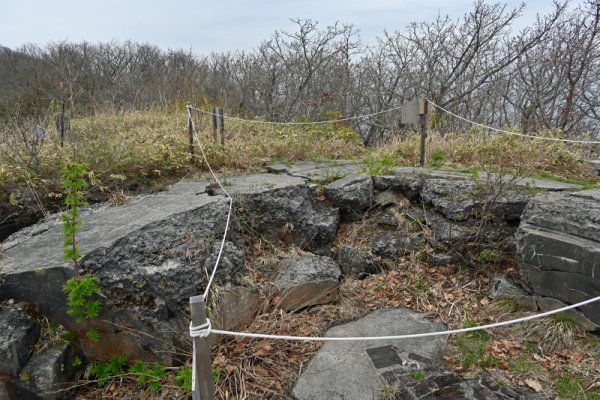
(204, 386)
(221, 124)
(191, 131)
(214, 119)
(423, 121)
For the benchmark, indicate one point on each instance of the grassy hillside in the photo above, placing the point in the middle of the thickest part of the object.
(142, 150)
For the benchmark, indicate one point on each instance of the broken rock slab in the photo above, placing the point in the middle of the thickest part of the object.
(558, 245)
(358, 370)
(306, 281)
(351, 193)
(18, 335)
(317, 171)
(153, 253)
(286, 213)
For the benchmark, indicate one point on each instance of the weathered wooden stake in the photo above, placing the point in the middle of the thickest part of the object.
(62, 126)
(191, 131)
(423, 121)
(221, 124)
(214, 120)
(205, 388)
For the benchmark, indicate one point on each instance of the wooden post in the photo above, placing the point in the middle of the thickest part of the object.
(191, 131)
(62, 126)
(422, 110)
(221, 124)
(205, 388)
(214, 120)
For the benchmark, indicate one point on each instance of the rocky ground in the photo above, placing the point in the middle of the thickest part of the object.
(314, 246)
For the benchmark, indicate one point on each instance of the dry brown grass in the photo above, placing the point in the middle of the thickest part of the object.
(478, 150)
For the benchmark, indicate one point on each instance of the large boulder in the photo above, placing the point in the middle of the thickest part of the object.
(152, 254)
(351, 193)
(558, 243)
(17, 337)
(306, 281)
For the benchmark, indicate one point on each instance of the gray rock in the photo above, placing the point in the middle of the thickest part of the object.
(317, 171)
(153, 253)
(409, 185)
(49, 373)
(386, 199)
(549, 304)
(460, 200)
(351, 193)
(449, 232)
(502, 287)
(306, 281)
(357, 370)
(17, 337)
(552, 250)
(235, 307)
(290, 215)
(567, 287)
(453, 199)
(574, 213)
(558, 244)
(389, 244)
(594, 165)
(526, 303)
(355, 262)
(438, 384)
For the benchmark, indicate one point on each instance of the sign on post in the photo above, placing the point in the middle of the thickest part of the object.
(410, 112)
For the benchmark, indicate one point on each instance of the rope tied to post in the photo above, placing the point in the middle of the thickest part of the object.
(201, 331)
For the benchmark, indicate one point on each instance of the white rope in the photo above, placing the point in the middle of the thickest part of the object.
(201, 331)
(300, 123)
(511, 133)
(214, 271)
(409, 336)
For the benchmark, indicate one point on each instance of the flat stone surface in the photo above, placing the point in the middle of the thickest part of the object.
(593, 194)
(317, 170)
(357, 370)
(323, 170)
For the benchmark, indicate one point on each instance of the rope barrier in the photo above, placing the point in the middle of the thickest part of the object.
(300, 123)
(214, 271)
(397, 337)
(511, 133)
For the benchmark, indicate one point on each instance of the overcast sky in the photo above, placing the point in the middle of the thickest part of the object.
(216, 25)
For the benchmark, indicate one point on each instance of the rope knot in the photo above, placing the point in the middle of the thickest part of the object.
(201, 330)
